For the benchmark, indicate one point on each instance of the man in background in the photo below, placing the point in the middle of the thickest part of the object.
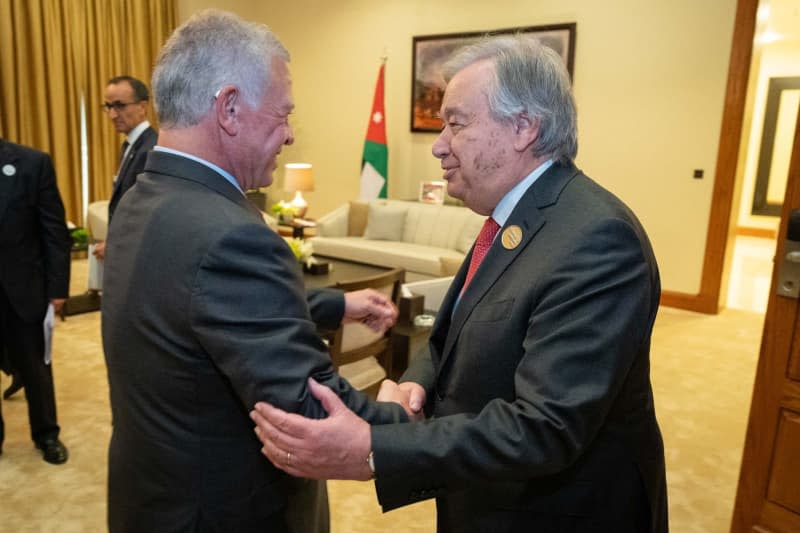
(537, 375)
(126, 103)
(34, 273)
(204, 310)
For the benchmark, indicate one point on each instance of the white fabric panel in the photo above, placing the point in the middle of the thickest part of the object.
(97, 220)
(434, 291)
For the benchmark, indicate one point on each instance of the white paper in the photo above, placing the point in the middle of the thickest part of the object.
(49, 322)
(95, 271)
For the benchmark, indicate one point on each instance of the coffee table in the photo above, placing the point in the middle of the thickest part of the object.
(340, 271)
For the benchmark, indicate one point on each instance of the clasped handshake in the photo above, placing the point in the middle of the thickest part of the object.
(336, 447)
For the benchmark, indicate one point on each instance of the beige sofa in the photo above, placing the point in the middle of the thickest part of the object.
(428, 240)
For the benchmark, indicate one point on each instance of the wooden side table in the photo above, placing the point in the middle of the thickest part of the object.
(297, 229)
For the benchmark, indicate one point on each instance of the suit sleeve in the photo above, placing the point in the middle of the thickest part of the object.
(56, 242)
(326, 307)
(250, 314)
(590, 318)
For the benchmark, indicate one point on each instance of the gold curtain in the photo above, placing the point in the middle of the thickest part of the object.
(52, 53)
(125, 40)
(39, 100)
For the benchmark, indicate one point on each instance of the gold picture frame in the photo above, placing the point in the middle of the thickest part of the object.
(430, 52)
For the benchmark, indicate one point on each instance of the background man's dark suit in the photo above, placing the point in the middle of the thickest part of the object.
(204, 314)
(131, 166)
(34, 268)
(558, 328)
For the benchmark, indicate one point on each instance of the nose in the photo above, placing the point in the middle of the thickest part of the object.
(441, 146)
(289, 138)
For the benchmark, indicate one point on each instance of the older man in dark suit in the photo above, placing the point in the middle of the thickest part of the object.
(537, 374)
(204, 310)
(34, 272)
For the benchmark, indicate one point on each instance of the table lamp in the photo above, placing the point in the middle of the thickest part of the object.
(297, 178)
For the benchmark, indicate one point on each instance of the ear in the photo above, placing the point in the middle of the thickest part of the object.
(526, 131)
(227, 109)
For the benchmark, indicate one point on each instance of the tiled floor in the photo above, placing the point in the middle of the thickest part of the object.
(751, 273)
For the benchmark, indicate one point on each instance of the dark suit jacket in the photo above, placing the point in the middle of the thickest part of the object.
(205, 314)
(131, 166)
(539, 379)
(34, 241)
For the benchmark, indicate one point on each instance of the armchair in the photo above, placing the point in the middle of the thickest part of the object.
(362, 356)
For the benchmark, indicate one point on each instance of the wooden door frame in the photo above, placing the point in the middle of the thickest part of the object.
(708, 299)
(770, 389)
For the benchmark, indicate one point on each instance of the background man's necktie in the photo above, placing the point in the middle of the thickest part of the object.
(482, 245)
(122, 153)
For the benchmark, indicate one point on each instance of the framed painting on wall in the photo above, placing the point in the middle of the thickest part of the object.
(432, 192)
(431, 51)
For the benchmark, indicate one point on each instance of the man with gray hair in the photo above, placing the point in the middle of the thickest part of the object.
(536, 378)
(205, 311)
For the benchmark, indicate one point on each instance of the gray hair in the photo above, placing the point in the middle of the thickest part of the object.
(210, 50)
(530, 78)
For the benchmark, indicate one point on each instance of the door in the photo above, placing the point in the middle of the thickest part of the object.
(768, 496)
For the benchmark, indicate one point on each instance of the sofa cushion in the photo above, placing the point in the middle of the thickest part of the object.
(436, 225)
(357, 219)
(449, 265)
(468, 235)
(385, 222)
(398, 254)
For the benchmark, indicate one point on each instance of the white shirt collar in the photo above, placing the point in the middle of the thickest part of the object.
(227, 175)
(507, 204)
(134, 134)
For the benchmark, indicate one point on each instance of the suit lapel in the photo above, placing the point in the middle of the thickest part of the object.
(126, 161)
(529, 216)
(7, 183)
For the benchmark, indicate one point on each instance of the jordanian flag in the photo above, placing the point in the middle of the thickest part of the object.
(375, 161)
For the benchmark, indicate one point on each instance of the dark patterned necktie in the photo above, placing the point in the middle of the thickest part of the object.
(122, 153)
(482, 245)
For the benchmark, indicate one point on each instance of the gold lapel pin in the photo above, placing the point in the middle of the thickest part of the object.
(511, 237)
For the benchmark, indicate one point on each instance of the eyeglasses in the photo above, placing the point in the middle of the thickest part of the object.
(117, 106)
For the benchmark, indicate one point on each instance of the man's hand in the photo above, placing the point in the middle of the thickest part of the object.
(100, 250)
(408, 394)
(336, 447)
(371, 308)
(58, 303)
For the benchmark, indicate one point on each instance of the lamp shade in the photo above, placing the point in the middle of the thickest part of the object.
(298, 177)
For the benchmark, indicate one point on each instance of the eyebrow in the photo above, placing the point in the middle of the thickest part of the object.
(449, 112)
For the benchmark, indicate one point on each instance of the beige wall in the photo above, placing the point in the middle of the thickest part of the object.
(773, 60)
(649, 83)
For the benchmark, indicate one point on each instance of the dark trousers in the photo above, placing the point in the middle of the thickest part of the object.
(24, 346)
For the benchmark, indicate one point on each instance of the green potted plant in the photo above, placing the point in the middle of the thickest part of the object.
(284, 211)
(80, 238)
